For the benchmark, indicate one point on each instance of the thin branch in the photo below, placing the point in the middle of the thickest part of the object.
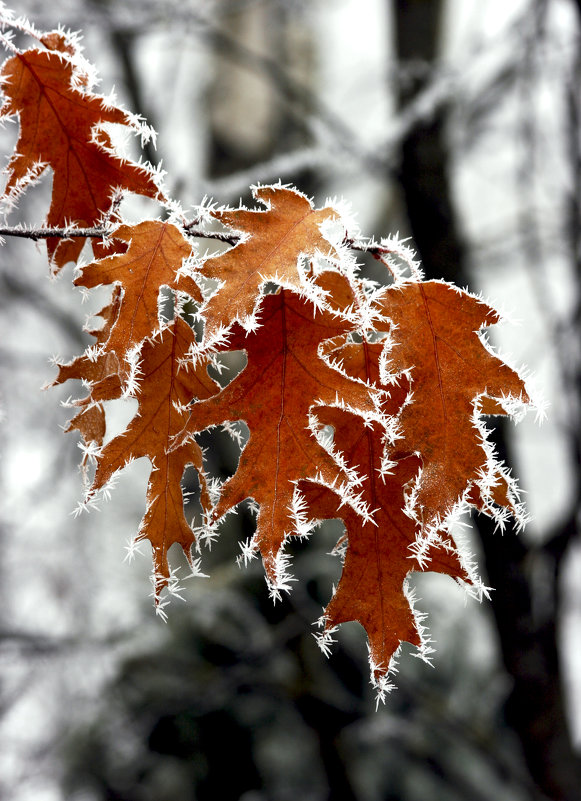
(46, 233)
(191, 228)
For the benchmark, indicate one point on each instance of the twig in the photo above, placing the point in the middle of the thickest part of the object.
(46, 233)
(191, 228)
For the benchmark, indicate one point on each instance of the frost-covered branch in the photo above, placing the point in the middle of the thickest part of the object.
(46, 233)
(193, 229)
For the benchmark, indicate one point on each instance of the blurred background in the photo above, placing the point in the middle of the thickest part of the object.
(456, 123)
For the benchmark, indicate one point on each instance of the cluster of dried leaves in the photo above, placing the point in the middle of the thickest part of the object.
(363, 402)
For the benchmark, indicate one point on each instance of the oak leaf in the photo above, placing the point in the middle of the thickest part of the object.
(438, 341)
(373, 588)
(284, 378)
(61, 125)
(272, 242)
(380, 553)
(154, 258)
(167, 387)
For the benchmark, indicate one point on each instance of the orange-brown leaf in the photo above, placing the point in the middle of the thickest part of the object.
(167, 387)
(274, 241)
(155, 253)
(372, 588)
(59, 127)
(437, 338)
(283, 379)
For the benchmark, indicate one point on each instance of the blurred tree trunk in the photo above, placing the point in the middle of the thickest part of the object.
(535, 708)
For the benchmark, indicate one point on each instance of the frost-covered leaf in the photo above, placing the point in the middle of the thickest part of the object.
(154, 258)
(61, 126)
(437, 339)
(273, 241)
(167, 386)
(374, 583)
(284, 378)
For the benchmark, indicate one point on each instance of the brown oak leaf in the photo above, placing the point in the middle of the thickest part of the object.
(61, 126)
(166, 388)
(269, 250)
(155, 253)
(437, 340)
(283, 379)
(373, 584)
